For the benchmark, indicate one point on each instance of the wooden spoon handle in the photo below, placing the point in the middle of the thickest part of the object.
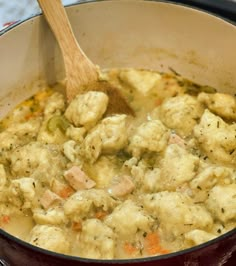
(79, 69)
(57, 19)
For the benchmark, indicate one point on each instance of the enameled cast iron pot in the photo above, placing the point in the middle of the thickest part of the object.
(124, 33)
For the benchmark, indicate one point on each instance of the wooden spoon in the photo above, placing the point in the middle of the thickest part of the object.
(81, 73)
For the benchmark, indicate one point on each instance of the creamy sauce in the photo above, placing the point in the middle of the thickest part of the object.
(19, 226)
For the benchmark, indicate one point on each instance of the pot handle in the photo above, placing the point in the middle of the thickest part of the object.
(3, 263)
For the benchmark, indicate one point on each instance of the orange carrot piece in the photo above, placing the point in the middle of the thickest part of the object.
(42, 95)
(32, 115)
(152, 244)
(28, 116)
(77, 226)
(100, 215)
(129, 248)
(158, 102)
(66, 192)
(5, 219)
(164, 251)
(152, 239)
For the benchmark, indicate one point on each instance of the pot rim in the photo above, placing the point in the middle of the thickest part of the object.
(118, 261)
(171, 2)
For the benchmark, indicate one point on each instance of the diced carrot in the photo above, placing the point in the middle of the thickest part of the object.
(61, 189)
(66, 192)
(5, 219)
(130, 249)
(42, 95)
(152, 238)
(77, 226)
(32, 115)
(100, 214)
(158, 102)
(164, 251)
(29, 116)
(152, 245)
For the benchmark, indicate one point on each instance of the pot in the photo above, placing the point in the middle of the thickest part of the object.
(126, 33)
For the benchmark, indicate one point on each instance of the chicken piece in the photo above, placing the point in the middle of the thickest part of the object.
(92, 146)
(145, 173)
(151, 136)
(216, 138)
(149, 83)
(38, 161)
(109, 136)
(55, 104)
(220, 228)
(220, 104)
(222, 202)
(72, 152)
(138, 220)
(176, 213)
(78, 179)
(181, 113)
(137, 169)
(210, 176)
(103, 170)
(98, 238)
(176, 139)
(8, 141)
(124, 187)
(22, 190)
(150, 181)
(24, 130)
(15, 135)
(51, 216)
(113, 133)
(50, 238)
(197, 237)
(84, 203)
(49, 198)
(76, 133)
(141, 80)
(87, 109)
(177, 167)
